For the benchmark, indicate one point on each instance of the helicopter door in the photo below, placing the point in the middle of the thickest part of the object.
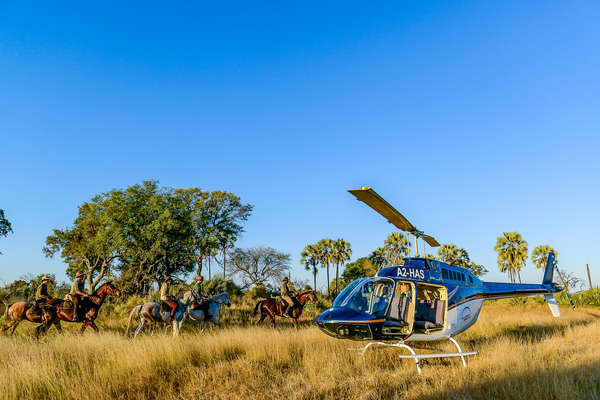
(431, 308)
(402, 310)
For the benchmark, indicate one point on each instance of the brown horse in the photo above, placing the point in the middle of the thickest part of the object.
(60, 309)
(272, 307)
(24, 311)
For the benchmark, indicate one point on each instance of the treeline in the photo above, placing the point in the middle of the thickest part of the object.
(146, 232)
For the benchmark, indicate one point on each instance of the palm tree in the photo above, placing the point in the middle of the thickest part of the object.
(395, 247)
(448, 253)
(512, 253)
(310, 259)
(325, 257)
(377, 257)
(539, 256)
(340, 253)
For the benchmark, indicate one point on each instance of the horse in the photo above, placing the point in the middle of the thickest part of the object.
(14, 313)
(272, 307)
(213, 306)
(57, 310)
(151, 313)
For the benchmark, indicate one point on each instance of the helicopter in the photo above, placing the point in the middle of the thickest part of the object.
(420, 300)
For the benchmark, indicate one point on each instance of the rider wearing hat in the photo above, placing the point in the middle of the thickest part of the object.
(77, 293)
(198, 289)
(288, 293)
(166, 297)
(41, 294)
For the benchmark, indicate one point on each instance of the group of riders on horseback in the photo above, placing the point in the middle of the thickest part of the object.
(79, 306)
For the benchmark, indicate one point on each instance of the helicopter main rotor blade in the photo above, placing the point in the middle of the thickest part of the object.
(430, 240)
(377, 203)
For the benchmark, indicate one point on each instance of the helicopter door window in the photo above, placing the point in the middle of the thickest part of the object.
(444, 273)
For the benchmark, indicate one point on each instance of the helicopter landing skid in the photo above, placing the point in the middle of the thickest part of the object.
(420, 359)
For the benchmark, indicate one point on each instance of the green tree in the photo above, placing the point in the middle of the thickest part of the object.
(453, 255)
(377, 257)
(512, 254)
(310, 259)
(361, 268)
(90, 244)
(154, 234)
(396, 247)
(325, 246)
(539, 256)
(218, 285)
(340, 253)
(5, 226)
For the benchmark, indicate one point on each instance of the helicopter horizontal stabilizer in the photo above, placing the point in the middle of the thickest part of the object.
(551, 300)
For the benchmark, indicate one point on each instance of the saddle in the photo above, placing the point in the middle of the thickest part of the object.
(201, 305)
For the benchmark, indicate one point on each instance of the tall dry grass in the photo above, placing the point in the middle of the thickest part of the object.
(524, 353)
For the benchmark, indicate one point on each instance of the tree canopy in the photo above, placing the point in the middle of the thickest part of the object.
(539, 256)
(5, 226)
(146, 232)
(512, 254)
(453, 255)
(259, 265)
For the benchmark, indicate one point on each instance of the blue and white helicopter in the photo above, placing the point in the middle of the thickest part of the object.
(421, 300)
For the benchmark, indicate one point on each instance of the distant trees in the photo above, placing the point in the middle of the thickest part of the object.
(512, 254)
(377, 257)
(259, 265)
(361, 268)
(5, 226)
(454, 255)
(397, 246)
(340, 253)
(310, 259)
(539, 256)
(325, 258)
(146, 232)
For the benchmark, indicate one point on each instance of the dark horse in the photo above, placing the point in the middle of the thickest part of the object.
(273, 307)
(59, 309)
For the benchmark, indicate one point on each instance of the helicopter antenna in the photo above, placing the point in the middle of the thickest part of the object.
(393, 216)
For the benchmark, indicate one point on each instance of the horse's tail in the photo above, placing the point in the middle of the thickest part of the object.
(6, 308)
(135, 311)
(256, 307)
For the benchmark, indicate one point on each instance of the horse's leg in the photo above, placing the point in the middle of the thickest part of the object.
(57, 325)
(272, 316)
(139, 328)
(13, 327)
(295, 321)
(94, 327)
(83, 326)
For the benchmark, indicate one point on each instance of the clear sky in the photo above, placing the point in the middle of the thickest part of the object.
(472, 118)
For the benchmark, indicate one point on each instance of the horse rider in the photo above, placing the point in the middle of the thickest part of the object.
(166, 297)
(288, 293)
(77, 294)
(198, 290)
(41, 294)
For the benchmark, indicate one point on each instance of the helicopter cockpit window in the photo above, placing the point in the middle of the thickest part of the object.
(444, 273)
(370, 296)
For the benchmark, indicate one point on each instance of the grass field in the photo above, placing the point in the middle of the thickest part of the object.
(524, 353)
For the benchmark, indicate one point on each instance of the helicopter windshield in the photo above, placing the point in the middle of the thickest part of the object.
(368, 295)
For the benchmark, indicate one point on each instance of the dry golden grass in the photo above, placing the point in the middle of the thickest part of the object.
(524, 353)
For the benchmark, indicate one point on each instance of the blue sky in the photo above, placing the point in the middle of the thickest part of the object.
(472, 118)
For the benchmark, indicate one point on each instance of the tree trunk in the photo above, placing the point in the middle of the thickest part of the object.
(328, 291)
(209, 257)
(337, 277)
(519, 272)
(224, 260)
(199, 261)
(314, 278)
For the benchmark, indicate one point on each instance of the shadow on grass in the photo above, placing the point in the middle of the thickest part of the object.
(578, 382)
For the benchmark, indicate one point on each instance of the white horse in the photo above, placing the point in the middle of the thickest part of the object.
(151, 313)
(213, 308)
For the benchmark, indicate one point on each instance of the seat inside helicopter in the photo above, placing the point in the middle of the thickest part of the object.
(430, 309)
